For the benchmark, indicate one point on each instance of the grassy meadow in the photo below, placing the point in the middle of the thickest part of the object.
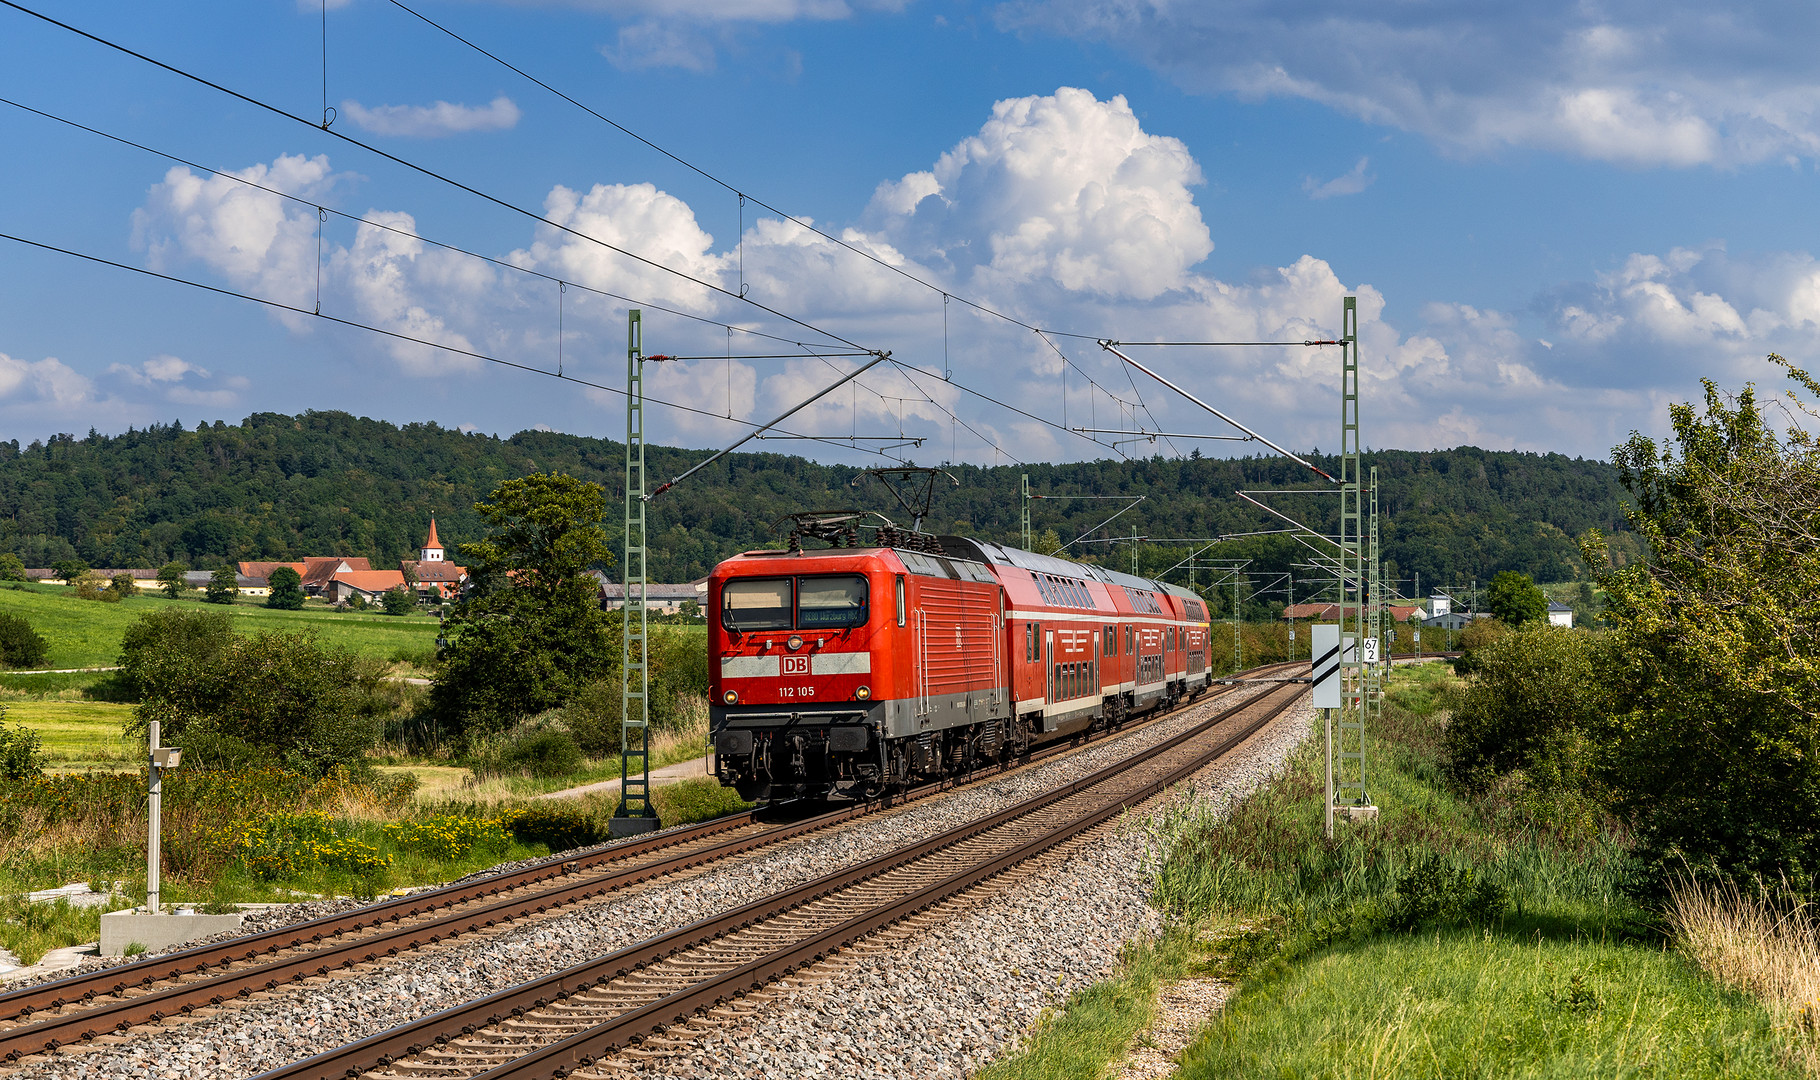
(87, 633)
(1458, 936)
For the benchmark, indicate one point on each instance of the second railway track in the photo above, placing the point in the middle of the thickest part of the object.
(71, 1011)
(571, 1020)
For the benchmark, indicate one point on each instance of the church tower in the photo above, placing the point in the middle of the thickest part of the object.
(432, 547)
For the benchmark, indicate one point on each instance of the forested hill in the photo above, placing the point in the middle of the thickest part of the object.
(282, 487)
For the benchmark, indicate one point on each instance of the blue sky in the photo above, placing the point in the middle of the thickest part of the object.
(1558, 219)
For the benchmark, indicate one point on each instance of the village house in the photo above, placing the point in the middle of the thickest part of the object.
(436, 577)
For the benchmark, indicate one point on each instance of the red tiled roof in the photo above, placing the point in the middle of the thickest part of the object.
(319, 569)
(372, 581)
(264, 569)
(432, 542)
(434, 570)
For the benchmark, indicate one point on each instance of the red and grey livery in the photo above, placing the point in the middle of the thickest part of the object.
(867, 668)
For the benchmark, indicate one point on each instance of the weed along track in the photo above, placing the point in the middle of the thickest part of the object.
(72, 1011)
(573, 1019)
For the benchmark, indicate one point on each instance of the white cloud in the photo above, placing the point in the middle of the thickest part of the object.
(1063, 188)
(652, 43)
(256, 240)
(433, 121)
(49, 381)
(180, 381)
(1671, 84)
(382, 274)
(635, 217)
(1351, 182)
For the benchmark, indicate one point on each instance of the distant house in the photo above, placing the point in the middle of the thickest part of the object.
(1560, 614)
(1331, 612)
(247, 584)
(1454, 620)
(47, 576)
(659, 599)
(435, 575)
(318, 571)
(369, 585)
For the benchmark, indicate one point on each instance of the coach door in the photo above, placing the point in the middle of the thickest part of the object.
(1049, 663)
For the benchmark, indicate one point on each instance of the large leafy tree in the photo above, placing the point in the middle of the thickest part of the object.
(1717, 635)
(531, 633)
(287, 589)
(1515, 600)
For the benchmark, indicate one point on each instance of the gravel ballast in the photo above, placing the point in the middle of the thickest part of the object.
(937, 1003)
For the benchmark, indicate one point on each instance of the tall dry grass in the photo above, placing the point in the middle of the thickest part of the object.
(1766, 948)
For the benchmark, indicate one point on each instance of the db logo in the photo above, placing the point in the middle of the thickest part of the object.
(796, 665)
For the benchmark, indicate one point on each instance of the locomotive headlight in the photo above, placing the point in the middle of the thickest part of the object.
(863, 693)
(795, 642)
(731, 697)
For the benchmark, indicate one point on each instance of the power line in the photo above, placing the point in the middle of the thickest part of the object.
(712, 178)
(361, 220)
(281, 306)
(431, 173)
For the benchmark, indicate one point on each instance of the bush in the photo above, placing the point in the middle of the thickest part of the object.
(89, 586)
(12, 568)
(20, 645)
(543, 752)
(166, 650)
(205, 749)
(559, 828)
(1536, 698)
(398, 602)
(123, 586)
(592, 718)
(19, 757)
(1478, 634)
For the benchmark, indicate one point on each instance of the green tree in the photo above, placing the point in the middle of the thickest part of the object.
(20, 645)
(172, 580)
(1537, 697)
(398, 601)
(287, 589)
(66, 569)
(123, 585)
(531, 633)
(1716, 637)
(1515, 600)
(223, 586)
(12, 568)
(165, 650)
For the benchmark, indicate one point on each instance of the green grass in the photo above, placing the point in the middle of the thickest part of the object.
(1466, 1005)
(1456, 937)
(87, 633)
(1097, 1023)
(28, 931)
(78, 733)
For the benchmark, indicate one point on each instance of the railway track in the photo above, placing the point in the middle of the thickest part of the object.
(70, 1011)
(571, 1020)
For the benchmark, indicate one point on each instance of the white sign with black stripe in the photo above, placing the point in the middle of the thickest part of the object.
(1324, 641)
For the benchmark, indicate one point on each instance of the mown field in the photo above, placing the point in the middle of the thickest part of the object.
(87, 633)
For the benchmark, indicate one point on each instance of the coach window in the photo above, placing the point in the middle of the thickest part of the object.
(756, 604)
(831, 603)
(900, 600)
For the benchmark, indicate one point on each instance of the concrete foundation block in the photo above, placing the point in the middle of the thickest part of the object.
(159, 932)
(1355, 813)
(632, 826)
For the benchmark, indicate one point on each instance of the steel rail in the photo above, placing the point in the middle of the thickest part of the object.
(384, 1048)
(28, 1037)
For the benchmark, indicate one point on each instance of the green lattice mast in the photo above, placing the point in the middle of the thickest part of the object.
(635, 813)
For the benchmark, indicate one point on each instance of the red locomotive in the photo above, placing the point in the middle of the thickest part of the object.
(859, 669)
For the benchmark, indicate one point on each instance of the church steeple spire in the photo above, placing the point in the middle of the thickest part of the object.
(432, 547)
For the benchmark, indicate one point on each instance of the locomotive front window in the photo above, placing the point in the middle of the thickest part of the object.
(756, 604)
(831, 602)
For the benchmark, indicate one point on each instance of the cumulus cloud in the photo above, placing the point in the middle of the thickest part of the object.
(383, 275)
(634, 217)
(256, 240)
(1350, 182)
(1670, 84)
(433, 121)
(1063, 188)
(49, 381)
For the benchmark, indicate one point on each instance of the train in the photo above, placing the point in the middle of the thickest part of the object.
(854, 671)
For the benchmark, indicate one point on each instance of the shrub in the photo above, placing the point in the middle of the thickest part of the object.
(543, 753)
(283, 845)
(20, 645)
(559, 828)
(1537, 696)
(205, 749)
(123, 585)
(592, 718)
(1477, 634)
(450, 836)
(398, 602)
(12, 568)
(167, 650)
(19, 757)
(89, 586)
